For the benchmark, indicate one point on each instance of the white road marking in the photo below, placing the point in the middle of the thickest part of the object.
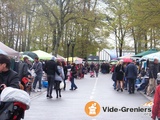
(94, 89)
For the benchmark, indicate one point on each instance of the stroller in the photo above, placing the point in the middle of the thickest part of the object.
(13, 104)
(92, 74)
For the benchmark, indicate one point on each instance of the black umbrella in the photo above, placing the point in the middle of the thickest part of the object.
(30, 54)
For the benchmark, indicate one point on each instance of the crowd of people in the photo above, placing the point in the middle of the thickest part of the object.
(56, 72)
(126, 75)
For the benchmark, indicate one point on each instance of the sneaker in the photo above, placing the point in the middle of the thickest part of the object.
(39, 90)
(34, 90)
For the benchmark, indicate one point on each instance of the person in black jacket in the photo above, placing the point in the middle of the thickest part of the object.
(8, 77)
(119, 73)
(51, 69)
(131, 75)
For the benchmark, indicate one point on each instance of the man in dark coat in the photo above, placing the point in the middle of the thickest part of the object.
(8, 77)
(51, 69)
(131, 75)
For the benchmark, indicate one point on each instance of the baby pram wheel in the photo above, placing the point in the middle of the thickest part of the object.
(12, 110)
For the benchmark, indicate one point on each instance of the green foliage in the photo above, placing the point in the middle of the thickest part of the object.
(49, 24)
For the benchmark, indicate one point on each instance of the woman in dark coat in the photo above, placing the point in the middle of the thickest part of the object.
(119, 71)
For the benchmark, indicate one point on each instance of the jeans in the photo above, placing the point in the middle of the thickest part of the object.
(38, 78)
(115, 84)
(50, 79)
(72, 83)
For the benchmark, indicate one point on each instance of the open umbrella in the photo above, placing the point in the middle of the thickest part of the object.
(127, 60)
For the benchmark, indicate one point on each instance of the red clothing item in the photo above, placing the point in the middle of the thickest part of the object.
(156, 105)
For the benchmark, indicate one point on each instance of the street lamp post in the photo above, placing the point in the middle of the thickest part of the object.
(68, 44)
(73, 45)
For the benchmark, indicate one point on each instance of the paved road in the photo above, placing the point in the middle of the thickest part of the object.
(71, 105)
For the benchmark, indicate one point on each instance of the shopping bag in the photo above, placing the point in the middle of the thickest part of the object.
(61, 86)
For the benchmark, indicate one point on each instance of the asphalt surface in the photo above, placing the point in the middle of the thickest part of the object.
(122, 106)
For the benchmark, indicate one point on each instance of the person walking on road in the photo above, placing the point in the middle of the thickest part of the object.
(37, 66)
(131, 75)
(97, 69)
(73, 76)
(59, 79)
(119, 72)
(50, 69)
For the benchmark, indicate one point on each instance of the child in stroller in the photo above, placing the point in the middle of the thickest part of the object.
(13, 104)
(92, 73)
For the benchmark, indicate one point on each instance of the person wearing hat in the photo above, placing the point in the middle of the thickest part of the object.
(51, 69)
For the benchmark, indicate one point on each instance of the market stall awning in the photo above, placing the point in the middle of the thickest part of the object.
(152, 56)
(30, 54)
(150, 51)
(8, 50)
(3, 52)
(43, 55)
(76, 60)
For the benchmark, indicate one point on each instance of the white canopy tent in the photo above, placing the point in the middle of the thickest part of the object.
(8, 50)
